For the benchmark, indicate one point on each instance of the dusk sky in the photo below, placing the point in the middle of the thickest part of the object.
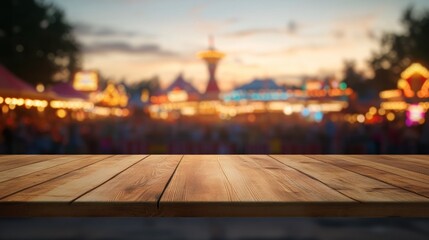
(280, 39)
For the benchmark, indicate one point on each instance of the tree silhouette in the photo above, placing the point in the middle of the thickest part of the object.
(399, 50)
(35, 41)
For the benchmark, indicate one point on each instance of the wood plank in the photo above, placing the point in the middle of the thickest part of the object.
(226, 183)
(351, 184)
(17, 184)
(142, 184)
(34, 167)
(74, 184)
(408, 162)
(216, 185)
(14, 161)
(261, 178)
(198, 178)
(381, 172)
(371, 161)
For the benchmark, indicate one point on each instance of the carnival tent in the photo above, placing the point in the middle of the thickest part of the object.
(12, 86)
(66, 90)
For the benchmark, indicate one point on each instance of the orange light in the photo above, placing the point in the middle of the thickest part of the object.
(85, 81)
(61, 113)
(390, 116)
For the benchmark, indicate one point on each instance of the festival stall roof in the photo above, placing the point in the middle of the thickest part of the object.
(260, 85)
(66, 90)
(12, 86)
(182, 84)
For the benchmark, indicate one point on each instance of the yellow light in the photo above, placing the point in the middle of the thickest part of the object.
(372, 110)
(40, 87)
(20, 101)
(61, 113)
(85, 81)
(390, 116)
(368, 116)
(11, 106)
(360, 118)
(394, 105)
(5, 109)
(381, 111)
(1, 100)
(287, 110)
(393, 93)
(40, 109)
(177, 95)
(414, 69)
(144, 97)
(8, 100)
(188, 111)
(211, 56)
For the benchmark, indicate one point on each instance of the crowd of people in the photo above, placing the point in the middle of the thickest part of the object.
(132, 135)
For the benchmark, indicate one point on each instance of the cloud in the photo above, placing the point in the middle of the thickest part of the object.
(255, 31)
(290, 28)
(85, 29)
(124, 47)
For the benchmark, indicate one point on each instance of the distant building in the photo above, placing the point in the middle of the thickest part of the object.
(212, 58)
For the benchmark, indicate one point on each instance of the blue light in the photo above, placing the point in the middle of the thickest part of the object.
(318, 116)
(255, 96)
(305, 112)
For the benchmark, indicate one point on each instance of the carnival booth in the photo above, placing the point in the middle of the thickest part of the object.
(410, 99)
(15, 93)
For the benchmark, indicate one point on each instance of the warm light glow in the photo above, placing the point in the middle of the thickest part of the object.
(372, 110)
(177, 95)
(415, 69)
(144, 97)
(114, 96)
(360, 118)
(398, 106)
(390, 94)
(5, 109)
(40, 87)
(85, 81)
(288, 110)
(415, 114)
(61, 113)
(211, 56)
(390, 116)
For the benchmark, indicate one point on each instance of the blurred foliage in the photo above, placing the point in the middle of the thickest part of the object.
(36, 43)
(399, 50)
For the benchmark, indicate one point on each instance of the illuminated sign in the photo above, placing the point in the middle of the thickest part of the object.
(114, 96)
(415, 80)
(415, 115)
(254, 96)
(313, 85)
(177, 95)
(85, 81)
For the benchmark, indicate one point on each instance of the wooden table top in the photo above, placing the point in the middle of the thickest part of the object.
(214, 185)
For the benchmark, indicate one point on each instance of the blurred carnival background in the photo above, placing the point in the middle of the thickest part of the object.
(76, 79)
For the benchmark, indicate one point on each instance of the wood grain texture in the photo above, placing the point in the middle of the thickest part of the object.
(214, 185)
(349, 183)
(223, 182)
(408, 162)
(37, 166)
(13, 161)
(369, 167)
(141, 184)
(76, 183)
(19, 183)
